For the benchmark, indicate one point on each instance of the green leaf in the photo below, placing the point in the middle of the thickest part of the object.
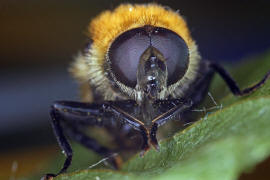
(221, 145)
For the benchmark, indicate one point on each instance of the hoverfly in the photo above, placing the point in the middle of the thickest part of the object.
(141, 69)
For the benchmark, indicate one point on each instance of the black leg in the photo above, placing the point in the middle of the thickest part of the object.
(62, 141)
(233, 85)
(90, 143)
(178, 108)
(75, 113)
(145, 146)
(153, 136)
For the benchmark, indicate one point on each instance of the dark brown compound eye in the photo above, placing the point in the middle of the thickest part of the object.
(125, 52)
(175, 51)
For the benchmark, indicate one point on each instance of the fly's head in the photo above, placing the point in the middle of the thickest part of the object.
(145, 62)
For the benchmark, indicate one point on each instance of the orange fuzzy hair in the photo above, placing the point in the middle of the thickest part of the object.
(110, 24)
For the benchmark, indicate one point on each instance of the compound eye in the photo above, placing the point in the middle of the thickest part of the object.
(124, 55)
(175, 51)
(125, 52)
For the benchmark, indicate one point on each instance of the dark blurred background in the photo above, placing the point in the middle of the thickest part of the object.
(38, 40)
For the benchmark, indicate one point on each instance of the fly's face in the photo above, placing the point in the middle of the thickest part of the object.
(145, 61)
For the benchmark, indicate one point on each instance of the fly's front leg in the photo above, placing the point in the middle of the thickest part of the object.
(73, 114)
(179, 107)
(233, 85)
(62, 141)
(76, 113)
(77, 135)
